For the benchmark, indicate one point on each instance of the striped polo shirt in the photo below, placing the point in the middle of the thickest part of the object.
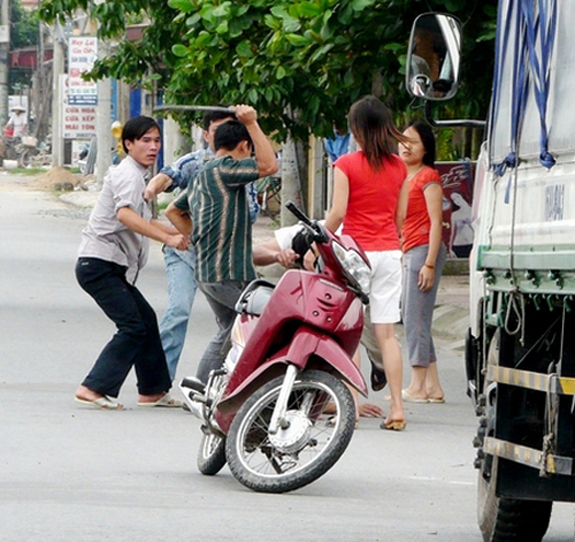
(222, 232)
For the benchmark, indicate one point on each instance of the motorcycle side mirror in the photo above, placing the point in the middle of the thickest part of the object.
(433, 59)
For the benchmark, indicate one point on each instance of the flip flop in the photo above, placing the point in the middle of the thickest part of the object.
(103, 403)
(394, 425)
(408, 398)
(166, 401)
(441, 400)
(378, 378)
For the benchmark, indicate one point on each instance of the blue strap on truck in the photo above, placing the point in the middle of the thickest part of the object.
(533, 40)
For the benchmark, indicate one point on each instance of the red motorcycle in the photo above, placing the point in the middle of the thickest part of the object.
(291, 356)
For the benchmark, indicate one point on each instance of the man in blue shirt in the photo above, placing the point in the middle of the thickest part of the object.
(337, 145)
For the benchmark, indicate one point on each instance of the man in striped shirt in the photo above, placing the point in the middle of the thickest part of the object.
(217, 207)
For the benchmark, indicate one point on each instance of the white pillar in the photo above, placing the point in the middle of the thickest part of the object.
(104, 122)
(174, 141)
(4, 60)
(57, 71)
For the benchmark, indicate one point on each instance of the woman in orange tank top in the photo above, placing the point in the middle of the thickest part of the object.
(424, 256)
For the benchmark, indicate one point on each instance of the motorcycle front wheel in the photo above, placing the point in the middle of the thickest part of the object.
(305, 449)
(212, 454)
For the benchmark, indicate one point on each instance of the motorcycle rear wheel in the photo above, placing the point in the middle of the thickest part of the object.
(25, 158)
(212, 454)
(304, 451)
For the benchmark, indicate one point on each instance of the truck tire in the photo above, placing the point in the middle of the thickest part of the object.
(503, 519)
(509, 520)
(303, 451)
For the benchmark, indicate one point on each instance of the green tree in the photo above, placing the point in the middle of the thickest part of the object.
(300, 63)
(23, 33)
(23, 26)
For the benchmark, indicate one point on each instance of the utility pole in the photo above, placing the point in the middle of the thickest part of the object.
(104, 121)
(58, 71)
(4, 59)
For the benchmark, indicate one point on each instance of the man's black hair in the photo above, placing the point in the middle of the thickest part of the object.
(211, 116)
(230, 134)
(136, 127)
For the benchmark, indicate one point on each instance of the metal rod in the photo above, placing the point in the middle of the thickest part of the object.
(450, 123)
(191, 108)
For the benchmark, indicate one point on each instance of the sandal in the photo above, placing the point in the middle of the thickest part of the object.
(104, 403)
(393, 425)
(166, 401)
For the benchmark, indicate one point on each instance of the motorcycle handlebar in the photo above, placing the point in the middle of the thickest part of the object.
(317, 231)
(298, 213)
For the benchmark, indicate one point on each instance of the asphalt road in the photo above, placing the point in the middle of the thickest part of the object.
(70, 473)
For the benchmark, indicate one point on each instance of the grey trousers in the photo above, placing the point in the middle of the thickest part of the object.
(417, 306)
(222, 298)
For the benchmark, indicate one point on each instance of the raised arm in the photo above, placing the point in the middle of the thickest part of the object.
(265, 155)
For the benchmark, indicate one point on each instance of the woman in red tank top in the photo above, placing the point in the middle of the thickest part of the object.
(370, 198)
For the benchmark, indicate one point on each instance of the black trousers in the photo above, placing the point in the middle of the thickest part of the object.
(137, 341)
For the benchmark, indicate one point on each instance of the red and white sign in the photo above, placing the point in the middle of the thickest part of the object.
(82, 53)
(78, 121)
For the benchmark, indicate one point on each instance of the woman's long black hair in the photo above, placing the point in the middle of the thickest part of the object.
(372, 127)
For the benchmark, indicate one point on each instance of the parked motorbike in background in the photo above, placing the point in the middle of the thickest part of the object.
(291, 356)
(25, 151)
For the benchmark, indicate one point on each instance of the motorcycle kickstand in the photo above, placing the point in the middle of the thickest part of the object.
(278, 419)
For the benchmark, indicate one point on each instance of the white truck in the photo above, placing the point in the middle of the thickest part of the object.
(520, 348)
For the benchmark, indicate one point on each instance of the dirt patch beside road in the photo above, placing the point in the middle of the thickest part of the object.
(58, 178)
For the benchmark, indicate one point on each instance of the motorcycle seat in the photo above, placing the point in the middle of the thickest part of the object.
(255, 297)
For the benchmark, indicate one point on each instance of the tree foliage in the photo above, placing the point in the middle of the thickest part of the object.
(23, 33)
(23, 26)
(301, 63)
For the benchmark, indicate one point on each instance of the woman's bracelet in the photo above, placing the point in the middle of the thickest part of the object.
(430, 266)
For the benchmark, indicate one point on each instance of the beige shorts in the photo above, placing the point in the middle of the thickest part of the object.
(385, 286)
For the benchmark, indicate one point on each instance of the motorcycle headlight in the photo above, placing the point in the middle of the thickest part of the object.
(354, 267)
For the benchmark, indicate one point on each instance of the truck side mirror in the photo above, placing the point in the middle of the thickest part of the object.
(434, 57)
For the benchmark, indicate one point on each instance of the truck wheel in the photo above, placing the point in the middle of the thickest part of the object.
(307, 448)
(212, 454)
(509, 520)
(502, 519)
